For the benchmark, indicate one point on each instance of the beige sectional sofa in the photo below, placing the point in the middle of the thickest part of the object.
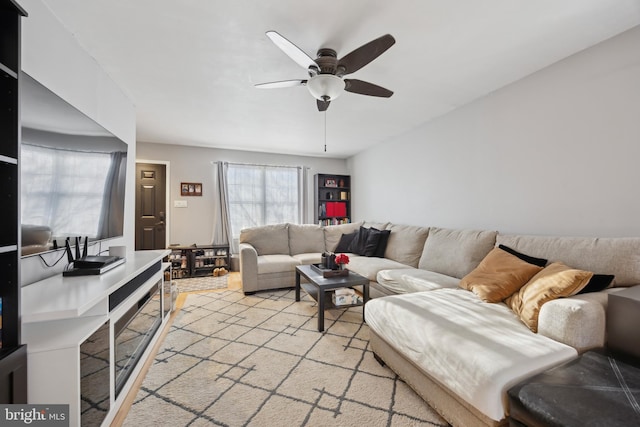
(460, 353)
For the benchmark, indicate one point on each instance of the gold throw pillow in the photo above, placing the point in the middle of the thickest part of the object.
(555, 281)
(498, 276)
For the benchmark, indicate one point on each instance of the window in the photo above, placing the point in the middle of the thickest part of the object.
(261, 195)
(65, 189)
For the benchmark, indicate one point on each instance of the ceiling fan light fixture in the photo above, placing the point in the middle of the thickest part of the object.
(325, 87)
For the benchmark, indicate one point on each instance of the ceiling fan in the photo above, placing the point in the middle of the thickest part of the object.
(326, 72)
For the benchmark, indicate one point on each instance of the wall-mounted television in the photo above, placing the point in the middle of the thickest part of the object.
(72, 175)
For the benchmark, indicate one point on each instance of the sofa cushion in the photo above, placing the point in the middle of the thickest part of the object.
(477, 350)
(406, 243)
(617, 256)
(407, 280)
(267, 239)
(456, 252)
(370, 266)
(308, 258)
(498, 275)
(333, 233)
(555, 281)
(305, 238)
(276, 263)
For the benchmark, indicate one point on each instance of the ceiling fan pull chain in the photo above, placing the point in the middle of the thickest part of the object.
(325, 131)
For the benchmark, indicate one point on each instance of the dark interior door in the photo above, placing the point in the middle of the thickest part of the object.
(150, 206)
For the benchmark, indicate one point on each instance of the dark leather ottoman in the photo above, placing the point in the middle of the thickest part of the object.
(593, 390)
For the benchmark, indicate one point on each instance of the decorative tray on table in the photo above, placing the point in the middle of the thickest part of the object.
(326, 272)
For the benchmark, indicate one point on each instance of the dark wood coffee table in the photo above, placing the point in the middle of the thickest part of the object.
(318, 288)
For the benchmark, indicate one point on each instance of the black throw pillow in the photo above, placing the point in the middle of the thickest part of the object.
(540, 262)
(354, 246)
(597, 283)
(345, 242)
(382, 244)
(359, 242)
(373, 240)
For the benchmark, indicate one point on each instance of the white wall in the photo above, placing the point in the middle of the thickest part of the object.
(51, 55)
(193, 164)
(555, 153)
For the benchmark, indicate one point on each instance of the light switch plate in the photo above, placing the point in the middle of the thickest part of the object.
(179, 203)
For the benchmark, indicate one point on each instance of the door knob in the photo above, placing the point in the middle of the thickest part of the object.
(161, 222)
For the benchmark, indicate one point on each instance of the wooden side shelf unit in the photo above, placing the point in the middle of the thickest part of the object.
(196, 261)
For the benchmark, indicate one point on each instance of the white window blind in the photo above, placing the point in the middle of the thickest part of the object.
(262, 194)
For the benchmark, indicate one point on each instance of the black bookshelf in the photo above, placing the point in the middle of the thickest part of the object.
(13, 355)
(332, 199)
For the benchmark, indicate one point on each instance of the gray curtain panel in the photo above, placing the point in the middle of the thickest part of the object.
(114, 188)
(221, 220)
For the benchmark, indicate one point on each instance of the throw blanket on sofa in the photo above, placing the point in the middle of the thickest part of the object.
(460, 341)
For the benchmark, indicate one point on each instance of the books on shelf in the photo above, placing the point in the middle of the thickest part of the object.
(333, 221)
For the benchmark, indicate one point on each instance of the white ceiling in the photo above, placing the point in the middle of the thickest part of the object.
(190, 65)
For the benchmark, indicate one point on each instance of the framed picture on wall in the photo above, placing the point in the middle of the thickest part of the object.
(191, 189)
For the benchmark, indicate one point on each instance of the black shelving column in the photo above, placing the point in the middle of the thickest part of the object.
(13, 356)
(332, 199)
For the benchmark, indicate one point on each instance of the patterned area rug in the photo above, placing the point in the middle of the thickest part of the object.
(259, 360)
(205, 283)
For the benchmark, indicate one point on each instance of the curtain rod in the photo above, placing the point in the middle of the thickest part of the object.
(258, 164)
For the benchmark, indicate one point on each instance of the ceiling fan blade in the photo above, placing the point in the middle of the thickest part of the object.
(293, 51)
(323, 105)
(366, 88)
(360, 57)
(281, 84)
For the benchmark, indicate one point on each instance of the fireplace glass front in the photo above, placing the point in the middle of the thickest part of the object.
(133, 332)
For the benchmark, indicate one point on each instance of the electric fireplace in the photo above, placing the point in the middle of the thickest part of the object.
(133, 331)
